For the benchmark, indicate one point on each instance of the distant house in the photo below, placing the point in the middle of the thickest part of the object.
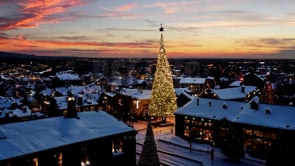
(258, 124)
(183, 96)
(135, 100)
(253, 80)
(55, 100)
(13, 110)
(194, 84)
(234, 93)
(65, 79)
(92, 138)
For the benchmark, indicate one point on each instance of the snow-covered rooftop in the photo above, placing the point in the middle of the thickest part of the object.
(233, 93)
(67, 76)
(267, 115)
(235, 83)
(192, 80)
(138, 94)
(23, 138)
(211, 109)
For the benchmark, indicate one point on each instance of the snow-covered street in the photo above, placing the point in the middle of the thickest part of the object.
(174, 151)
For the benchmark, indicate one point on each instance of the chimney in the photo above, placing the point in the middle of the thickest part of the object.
(198, 101)
(210, 103)
(243, 88)
(71, 109)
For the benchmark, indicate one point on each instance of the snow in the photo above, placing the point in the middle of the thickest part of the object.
(214, 111)
(32, 136)
(67, 76)
(235, 83)
(135, 93)
(175, 151)
(233, 93)
(266, 115)
(192, 80)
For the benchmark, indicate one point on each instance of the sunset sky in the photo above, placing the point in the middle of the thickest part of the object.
(123, 28)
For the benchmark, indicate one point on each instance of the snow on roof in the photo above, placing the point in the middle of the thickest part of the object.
(217, 110)
(267, 115)
(61, 102)
(192, 80)
(235, 83)
(233, 93)
(6, 102)
(62, 90)
(85, 89)
(138, 94)
(37, 135)
(24, 112)
(67, 76)
(179, 91)
(46, 92)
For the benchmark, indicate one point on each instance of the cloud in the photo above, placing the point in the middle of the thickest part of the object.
(32, 13)
(21, 43)
(122, 11)
(119, 15)
(273, 43)
(122, 8)
(126, 7)
(169, 7)
(126, 29)
(7, 1)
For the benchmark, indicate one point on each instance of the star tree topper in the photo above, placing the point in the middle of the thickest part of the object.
(161, 29)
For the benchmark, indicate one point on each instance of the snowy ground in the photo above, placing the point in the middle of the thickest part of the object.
(174, 151)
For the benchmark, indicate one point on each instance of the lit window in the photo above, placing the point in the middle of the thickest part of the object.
(117, 145)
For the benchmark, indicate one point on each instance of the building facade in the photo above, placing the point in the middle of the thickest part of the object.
(258, 125)
(89, 138)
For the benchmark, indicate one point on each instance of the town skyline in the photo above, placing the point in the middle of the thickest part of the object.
(115, 29)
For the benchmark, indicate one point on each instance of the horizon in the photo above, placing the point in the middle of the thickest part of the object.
(227, 29)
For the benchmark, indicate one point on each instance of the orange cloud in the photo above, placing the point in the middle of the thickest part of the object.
(126, 7)
(21, 44)
(35, 12)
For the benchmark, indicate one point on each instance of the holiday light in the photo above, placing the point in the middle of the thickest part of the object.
(163, 99)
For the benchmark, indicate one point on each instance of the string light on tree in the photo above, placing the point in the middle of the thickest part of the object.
(163, 99)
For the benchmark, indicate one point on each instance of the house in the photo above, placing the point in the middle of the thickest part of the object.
(253, 79)
(262, 124)
(200, 119)
(66, 78)
(259, 125)
(194, 84)
(234, 93)
(135, 101)
(91, 137)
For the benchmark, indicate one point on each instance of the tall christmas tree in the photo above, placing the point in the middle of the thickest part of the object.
(163, 99)
(149, 154)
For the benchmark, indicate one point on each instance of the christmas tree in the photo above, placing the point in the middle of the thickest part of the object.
(149, 154)
(163, 99)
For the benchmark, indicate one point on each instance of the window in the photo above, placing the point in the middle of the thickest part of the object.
(117, 145)
(247, 131)
(270, 135)
(186, 133)
(258, 133)
(195, 122)
(186, 121)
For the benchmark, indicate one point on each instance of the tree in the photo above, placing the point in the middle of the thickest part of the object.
(149, 154)
(163, 99)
